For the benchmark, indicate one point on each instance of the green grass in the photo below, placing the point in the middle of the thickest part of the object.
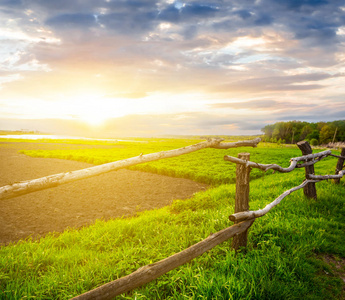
(281, 261)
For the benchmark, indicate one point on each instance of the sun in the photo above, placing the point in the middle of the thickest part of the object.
(95, 110)
(93, 118)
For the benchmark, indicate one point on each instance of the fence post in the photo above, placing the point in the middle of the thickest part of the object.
(310, 189)
(340, 165)
(242, 197)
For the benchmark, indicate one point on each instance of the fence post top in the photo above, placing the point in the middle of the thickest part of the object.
(304, 145)
(302, 142)
(244, 154)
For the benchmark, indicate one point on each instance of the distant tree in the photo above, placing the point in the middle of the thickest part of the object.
(327, 133)
(320, 125)
(314, 142)
(268, 130)
(295, 131)
(306, 130)
(313, 136)
(340, 124)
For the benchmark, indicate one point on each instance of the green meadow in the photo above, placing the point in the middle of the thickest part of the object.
(206, 165)
(293, 252)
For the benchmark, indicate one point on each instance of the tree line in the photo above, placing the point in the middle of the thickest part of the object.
(315, 133)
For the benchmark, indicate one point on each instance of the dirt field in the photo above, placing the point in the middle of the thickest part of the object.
(80, 203)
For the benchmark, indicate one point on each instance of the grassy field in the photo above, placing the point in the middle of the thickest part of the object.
(286, 253)
(206, 166)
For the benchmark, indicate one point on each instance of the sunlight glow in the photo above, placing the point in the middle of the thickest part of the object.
(95, 110)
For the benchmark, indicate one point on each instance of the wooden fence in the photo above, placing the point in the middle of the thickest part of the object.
(308, 161)
(242, 217)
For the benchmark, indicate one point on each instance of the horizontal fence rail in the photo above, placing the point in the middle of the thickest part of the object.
(25, 187)
(293, 162)
(150, 272)
(247, 215)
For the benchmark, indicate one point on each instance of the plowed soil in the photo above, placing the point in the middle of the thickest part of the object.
(80, 203)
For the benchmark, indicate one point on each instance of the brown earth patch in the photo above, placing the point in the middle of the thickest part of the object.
(111, 195)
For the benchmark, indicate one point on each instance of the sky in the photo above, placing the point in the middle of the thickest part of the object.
(150, 68)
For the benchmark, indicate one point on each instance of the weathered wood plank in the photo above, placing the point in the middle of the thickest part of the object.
(25, 187)
(326, 177)
(249, 143)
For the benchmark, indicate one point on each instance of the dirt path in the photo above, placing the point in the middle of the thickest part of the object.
(80, 203)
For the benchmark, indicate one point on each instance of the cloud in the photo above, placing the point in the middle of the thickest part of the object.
(263, 20)
(187, 12)
(136, 24)
(301, 82)
(68, 21)
(268, 50)
(11, 3)
(299, 4)
(191, 10)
